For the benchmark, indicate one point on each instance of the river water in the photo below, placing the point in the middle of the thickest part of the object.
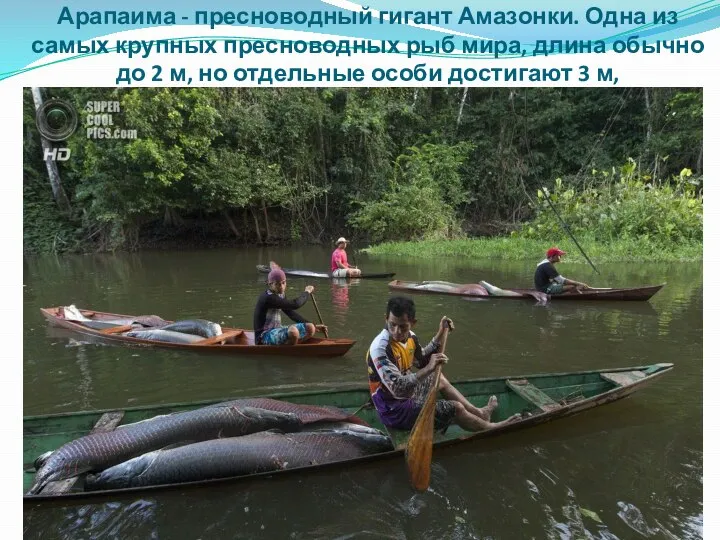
(632, 469)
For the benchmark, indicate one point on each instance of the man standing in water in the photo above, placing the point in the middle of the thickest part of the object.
(549, 280)
(339, 267)
(399, 394)
(267, 321)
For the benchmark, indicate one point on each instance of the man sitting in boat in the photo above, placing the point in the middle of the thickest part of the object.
(549, 280)
(339, 267)
(399, 394)
(267, 320)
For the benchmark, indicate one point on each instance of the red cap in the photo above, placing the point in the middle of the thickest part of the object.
(554, 251)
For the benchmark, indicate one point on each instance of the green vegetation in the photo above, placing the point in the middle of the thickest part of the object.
(237, 165)
(528, 249)
(625, 206)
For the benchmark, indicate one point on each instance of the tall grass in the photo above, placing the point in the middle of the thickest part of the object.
(641, 249)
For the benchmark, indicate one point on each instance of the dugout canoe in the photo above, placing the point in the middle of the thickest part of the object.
(539, 398)
(230, 341)
(455, 289)
(263, 269)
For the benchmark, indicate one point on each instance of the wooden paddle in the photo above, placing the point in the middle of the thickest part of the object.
(418, 452)
(319, 316)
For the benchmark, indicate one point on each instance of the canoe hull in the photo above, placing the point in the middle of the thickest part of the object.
(582, 391)
(242, 344)
(261, 268)
(637, 294)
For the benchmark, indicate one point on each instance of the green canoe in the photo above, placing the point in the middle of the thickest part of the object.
(539, 398)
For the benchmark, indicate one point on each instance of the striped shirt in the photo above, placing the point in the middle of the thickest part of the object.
(389, 363)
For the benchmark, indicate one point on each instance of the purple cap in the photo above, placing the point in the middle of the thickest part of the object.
(276, 274)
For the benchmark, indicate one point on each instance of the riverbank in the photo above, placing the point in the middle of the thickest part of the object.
(509, 248)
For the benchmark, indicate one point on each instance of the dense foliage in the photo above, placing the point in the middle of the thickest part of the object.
(283, 164)
(624, 205)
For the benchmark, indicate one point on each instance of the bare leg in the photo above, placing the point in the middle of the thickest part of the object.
(471, 422)
(310, 332)
(488, 409)
(451, 393)
(572, 288)
(293, 335)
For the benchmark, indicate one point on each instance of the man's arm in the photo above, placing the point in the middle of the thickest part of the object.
(400, 386)
(563, 280)
(426, 352)
(276, 302)
(434, 346)
(295, 316)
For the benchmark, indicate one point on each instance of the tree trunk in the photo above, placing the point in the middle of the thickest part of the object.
(323, 156)
(649, 133)
(257, 226)
(699, 166)
(648, 107)
(267, 223)
(462, 104)
(53, 173)
(231, 223)
(171, 218)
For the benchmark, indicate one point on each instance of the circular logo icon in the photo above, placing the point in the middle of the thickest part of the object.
(56, 120)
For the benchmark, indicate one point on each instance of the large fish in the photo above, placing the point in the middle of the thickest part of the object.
(199, 327)
(164, 335)
(99, 451)
(238, 456)
(308, 414)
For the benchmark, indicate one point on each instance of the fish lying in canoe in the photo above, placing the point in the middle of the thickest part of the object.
(98, 451)
(491, 292)
(113, 327)
(239, 456)
(540, 398)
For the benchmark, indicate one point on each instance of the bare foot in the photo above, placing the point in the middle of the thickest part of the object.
(486, 412)
(511, 420)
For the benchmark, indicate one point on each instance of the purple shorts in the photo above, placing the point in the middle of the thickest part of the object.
(279, 336)
(402, 413)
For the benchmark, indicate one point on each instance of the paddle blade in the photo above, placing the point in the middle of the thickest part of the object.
(418, 453)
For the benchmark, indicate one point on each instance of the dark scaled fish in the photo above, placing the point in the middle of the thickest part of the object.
(99, 451)
(308, 414)
(238, 456)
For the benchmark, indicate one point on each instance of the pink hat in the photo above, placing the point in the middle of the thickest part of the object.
(276, 275)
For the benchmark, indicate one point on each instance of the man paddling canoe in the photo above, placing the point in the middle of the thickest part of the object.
(549, 281)
(267, 320)
(399, 394)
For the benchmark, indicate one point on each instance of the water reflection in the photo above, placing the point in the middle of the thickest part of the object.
(340, 291)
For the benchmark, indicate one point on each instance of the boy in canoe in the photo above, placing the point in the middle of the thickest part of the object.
(267, 320)
(549, 280)
(339, 267)
(399, 394)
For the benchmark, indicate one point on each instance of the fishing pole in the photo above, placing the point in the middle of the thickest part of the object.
(567, 229)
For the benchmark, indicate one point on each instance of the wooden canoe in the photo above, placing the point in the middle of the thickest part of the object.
(456, 289)
(320, 275)
(539, 398)
(231, 341)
